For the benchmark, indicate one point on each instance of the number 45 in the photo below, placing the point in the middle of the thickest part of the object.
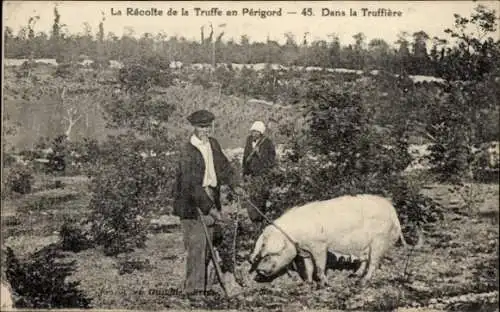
(307, 12)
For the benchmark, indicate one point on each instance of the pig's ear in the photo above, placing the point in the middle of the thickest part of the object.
(257, 248)
(276, 246)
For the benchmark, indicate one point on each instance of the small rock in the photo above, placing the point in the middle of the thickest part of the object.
(165, 222)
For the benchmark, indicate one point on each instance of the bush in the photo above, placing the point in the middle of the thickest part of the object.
(144, 111)
(20, 179)
(465, 117)
(64, 156)
(126, 188)
(140, 75)
(83, 156)
(450, 154)
(57, 159)
(64, 70)
(8, 159)
(73, 238)
(40, 282)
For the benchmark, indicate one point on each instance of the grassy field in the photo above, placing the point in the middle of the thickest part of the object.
(456, 269)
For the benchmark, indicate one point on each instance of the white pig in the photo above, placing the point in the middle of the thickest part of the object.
(364, 226)
(6, 298)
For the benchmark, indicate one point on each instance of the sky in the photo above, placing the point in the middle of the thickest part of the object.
(430, 16)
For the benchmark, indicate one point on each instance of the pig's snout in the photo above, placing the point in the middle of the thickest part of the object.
(254, 261)
(268, 269)
(254, 258)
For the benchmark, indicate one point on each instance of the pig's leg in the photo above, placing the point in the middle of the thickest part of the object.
(377, 250)
(362, 268)
(319, 254)
(309, 269)
(305, 267)
(364, 258)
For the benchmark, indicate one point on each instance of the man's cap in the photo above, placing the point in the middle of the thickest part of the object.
(201, 118)
(258, 126)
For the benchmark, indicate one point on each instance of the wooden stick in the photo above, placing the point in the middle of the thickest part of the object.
(218, 270)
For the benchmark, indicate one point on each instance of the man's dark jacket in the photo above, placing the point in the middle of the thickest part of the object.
(260, 161)
(188, 190)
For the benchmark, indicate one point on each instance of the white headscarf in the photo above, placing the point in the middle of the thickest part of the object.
(258, 126)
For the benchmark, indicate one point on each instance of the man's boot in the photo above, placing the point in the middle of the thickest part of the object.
(233, 288)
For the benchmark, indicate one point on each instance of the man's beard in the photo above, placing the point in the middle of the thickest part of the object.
(203, 137)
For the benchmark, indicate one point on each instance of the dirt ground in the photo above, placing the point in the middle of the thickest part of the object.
(456, 269)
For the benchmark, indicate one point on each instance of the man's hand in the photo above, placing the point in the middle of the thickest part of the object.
(208, 219)
(215, 214)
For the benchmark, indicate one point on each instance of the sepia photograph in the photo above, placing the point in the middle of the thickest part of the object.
(250, 155)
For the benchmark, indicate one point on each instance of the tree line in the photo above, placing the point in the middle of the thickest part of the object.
(415, 53)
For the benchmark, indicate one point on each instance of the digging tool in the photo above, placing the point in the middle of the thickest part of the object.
(218, 270)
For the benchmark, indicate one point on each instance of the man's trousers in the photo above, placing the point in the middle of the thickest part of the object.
(198, 255)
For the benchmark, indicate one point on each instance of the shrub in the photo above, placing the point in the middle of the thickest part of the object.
(8, 159)
(64, 70)
(57, 159)
(463, 118)
(40, 282)
(144, 111)
(224, 78)
(202, 78)
(20, 179)
(83, 155)
(73, 238)
(126, 188)
(142, 74)
(25, 69)
(245, 82)
(450, 154)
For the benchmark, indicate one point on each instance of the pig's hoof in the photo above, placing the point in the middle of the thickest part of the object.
(322, 284)
(362, 282)
(356, 274)
(307, 283)
(303, 284)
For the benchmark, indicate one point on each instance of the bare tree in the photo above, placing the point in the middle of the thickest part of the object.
(210, 37)
(219, 37)
(72, 114)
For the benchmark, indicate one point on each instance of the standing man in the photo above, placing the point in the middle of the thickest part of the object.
(259, 157)
(202, 169)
